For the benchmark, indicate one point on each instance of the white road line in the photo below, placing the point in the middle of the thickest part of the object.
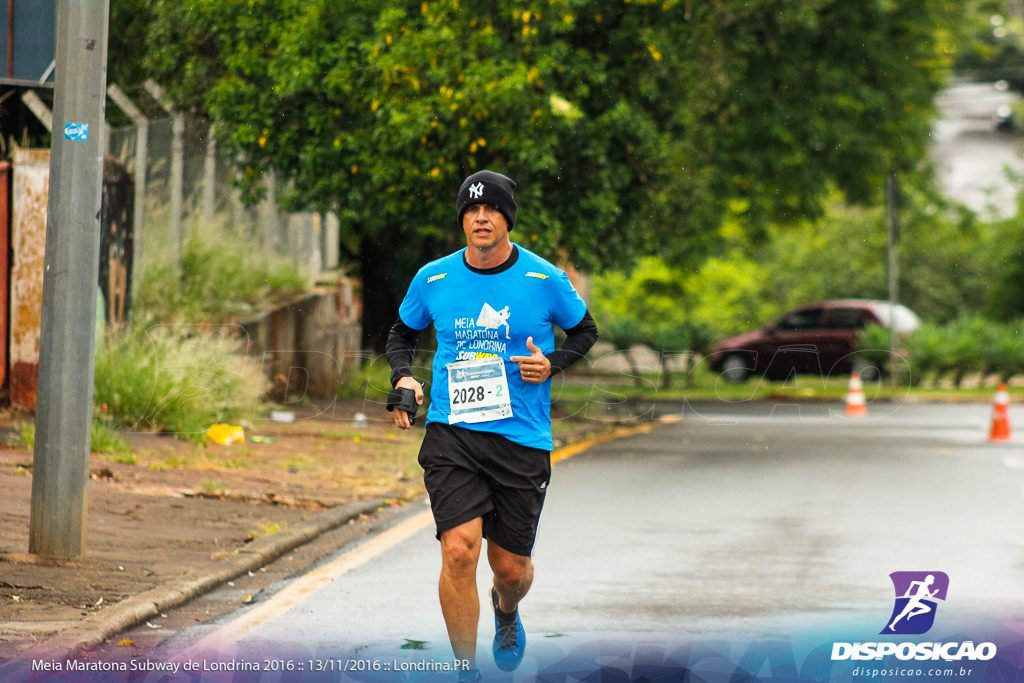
(302, 588)
(1013, 462)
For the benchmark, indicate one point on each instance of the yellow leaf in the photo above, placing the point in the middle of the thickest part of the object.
(472, 147)
(125, 642)
(482, 142)
(387, 39)
(354, 169)
(374, 105)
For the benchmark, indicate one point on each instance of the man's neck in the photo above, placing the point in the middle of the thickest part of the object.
(489, 257)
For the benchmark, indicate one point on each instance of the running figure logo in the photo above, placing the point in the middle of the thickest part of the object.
(490, 319)
(917, 594)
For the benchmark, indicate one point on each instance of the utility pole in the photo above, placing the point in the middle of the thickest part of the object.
(892, 189)
(68, 340)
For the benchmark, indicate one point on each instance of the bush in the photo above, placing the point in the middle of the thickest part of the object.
(927, 353)
(102, 438)
(216, 281)
(1006, 351)
(372, 382)
(175, 378)
(873, 345)
(969, 340)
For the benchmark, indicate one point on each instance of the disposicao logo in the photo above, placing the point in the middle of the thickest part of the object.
(917, 598)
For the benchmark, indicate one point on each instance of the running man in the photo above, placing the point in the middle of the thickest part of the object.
(914, 606)
(486, 452)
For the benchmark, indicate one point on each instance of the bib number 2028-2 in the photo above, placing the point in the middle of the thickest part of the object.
(478, 391)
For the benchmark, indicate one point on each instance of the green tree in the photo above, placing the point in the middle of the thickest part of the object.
(988, 41)
(627, 124)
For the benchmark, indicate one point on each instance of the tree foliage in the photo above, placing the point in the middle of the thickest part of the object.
(988, 42)
(631, 126)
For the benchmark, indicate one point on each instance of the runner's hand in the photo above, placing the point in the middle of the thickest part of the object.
(535, 368)
(402, 417)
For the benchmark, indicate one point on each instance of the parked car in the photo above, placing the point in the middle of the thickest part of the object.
(818, 339)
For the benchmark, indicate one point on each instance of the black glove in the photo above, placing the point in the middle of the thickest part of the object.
(403, 399)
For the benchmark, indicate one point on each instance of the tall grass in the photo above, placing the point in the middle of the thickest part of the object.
(218, 279)
(176, 378)
(103, 439)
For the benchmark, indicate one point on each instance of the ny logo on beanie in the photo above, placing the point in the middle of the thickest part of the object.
(488, 187)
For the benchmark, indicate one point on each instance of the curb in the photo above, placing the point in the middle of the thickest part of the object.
(138, 609)
(567, 452)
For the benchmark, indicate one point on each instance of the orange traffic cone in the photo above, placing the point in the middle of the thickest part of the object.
(855, 405)
(1000, 416)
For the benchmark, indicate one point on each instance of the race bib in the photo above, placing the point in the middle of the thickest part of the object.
(478, 391)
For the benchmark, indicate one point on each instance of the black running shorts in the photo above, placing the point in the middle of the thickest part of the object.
(471, 474)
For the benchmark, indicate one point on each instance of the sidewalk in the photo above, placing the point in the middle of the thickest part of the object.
(171, 521)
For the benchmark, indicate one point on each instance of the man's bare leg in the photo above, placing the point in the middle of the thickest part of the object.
(513, 576)
(460, 602)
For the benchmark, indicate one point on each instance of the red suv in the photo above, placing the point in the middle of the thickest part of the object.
(815, 339)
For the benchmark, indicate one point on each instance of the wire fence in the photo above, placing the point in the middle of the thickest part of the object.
(183, 191)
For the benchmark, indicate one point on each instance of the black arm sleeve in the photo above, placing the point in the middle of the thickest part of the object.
(400, 349)
(578, 341)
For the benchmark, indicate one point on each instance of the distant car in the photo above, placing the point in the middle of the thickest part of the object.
(818, 339)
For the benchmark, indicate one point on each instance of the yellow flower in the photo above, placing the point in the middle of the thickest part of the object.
(435, 172)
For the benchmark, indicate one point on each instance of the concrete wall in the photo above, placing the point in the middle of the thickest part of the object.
(310, 344)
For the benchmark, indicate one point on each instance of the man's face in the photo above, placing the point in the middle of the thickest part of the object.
(484, 226)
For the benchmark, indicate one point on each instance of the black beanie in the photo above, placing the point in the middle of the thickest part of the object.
(488, 187)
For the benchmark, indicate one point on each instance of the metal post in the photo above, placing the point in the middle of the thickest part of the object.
(141, 158)
(210, 179)
(71, 271)
(270, 217)
(177, 169)
(39, 108)
(177, 186)
(892, 189)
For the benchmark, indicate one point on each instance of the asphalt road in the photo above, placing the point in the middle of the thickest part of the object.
(737, 521)
(971, 157)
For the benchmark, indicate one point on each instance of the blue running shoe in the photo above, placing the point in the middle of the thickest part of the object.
(509, 638)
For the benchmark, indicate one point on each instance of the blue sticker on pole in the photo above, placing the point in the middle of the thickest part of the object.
(79, 132)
